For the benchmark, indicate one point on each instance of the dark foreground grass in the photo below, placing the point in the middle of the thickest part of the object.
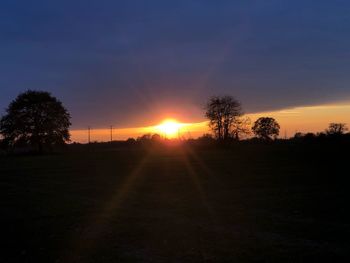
(274, 203)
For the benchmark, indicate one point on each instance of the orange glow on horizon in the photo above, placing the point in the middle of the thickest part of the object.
(169, 128)
(292, 120)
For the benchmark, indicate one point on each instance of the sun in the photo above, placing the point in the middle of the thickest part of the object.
(169, 128)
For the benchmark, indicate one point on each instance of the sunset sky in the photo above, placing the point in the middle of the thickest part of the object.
(133, 63)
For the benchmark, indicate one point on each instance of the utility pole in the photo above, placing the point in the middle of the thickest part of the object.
(111, 133)
(89, 130)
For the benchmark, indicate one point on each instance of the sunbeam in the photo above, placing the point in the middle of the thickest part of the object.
(83, 244)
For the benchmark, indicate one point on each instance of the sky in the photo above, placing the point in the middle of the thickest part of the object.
(299, 119)
(133, 63)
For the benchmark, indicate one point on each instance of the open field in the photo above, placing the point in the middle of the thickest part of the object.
(261, 203)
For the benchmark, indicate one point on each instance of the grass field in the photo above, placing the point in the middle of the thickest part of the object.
(265, 203)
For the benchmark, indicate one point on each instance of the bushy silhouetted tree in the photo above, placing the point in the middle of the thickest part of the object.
(130, 141)
(299, 135)
(144, 138)
(336, 129)
(36, 119)
(266, 128)
(156, 137)
(205, 138)
(224, 114)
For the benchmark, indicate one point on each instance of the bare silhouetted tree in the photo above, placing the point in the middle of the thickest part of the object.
(36, 119)
(241, 127)
(266, 128)
(223, 114)
(336, 129)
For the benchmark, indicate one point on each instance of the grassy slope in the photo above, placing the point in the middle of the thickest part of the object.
(255, 203)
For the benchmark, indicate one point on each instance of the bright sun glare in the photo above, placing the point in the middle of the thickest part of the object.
(169, 128)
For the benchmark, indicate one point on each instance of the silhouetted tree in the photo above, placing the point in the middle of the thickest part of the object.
(130, 141)
(336, 129)
(156, 137)
(205, 138)
(240, 127)
(305, 137)
(310, 135)
(223, 113)
(299, 135)
(144, 138)
(36, 119)
(266, 127)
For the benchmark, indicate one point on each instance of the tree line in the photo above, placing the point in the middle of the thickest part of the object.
(227, 121)
(39, 120)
